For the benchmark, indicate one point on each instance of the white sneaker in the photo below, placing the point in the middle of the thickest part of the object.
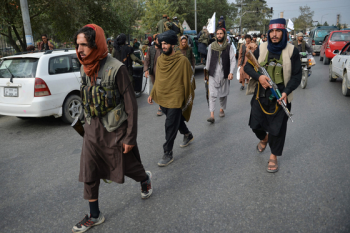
(87, 223)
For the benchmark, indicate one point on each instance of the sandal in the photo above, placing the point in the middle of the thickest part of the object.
(275, 166)
(259, 148)
(159, 112)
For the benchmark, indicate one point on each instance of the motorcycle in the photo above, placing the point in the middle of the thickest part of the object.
(307, 61)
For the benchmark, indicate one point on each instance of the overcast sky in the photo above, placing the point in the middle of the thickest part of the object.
(326, 8)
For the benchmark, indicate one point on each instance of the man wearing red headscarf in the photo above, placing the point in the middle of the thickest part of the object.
(110, 149)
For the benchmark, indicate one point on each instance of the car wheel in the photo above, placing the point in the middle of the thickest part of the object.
(72, 108)
(344, 88)
(331, 79)
(325, 60)
(321, 58)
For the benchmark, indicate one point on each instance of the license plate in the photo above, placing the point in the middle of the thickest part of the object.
(304, 60)
(11, 92)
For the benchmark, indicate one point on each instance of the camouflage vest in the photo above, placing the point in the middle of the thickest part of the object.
(103, 100)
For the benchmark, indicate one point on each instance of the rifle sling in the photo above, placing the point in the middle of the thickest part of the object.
(257, 98)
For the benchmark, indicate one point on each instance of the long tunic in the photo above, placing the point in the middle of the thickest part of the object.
(191, 59)
(218, 85)
(102, 153)
(243, 76)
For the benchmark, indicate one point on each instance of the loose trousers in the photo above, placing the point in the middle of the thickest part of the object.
(174, 122)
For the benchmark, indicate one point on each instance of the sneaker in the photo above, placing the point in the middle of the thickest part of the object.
(242, 88)
(87, 223)
(187, 140)
(146, 187)
(167, 159)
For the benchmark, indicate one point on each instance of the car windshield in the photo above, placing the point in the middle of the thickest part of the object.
(340, 36)
(322, 33)
(19, 67)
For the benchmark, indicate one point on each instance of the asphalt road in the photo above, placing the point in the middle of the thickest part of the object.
(217, 184)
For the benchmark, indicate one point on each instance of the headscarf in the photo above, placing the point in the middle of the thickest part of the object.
(149, 40)
(92, 60)
(122, 49)
(186, 46)
(168, 37)
(277, 24)
(215, 45)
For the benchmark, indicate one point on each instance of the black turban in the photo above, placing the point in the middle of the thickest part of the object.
(168, 37)
(121, 38)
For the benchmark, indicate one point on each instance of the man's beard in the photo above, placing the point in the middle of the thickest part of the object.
(221, 40)
(158, 45)
(170, 51)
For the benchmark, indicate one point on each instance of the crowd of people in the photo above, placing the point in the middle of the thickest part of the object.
(110, 149)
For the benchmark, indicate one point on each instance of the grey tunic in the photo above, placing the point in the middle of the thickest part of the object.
(218, 85)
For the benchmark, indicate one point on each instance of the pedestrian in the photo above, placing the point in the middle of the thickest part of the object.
(173, 90)
(160, 28)
(109, 146)
(242, 59)
(177, 27)
(221, 22)
(255, 39)
(125, 54)
(267, 120)
(150, 63)
(44, 44)
(220, 65)
(203, 43)
(136, 44)
(241, 41)
(110, 45)
(187, 51)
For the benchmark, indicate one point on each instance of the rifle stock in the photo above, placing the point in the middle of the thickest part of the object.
(78, 126)
(253, 60)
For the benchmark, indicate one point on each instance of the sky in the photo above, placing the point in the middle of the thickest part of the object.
(325, 10)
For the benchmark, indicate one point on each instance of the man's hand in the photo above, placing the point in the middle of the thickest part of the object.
(313, 54)
(150, 101)
(127, 148)
(146, 74)
(230, 76)
(283, 97)
(263, 80)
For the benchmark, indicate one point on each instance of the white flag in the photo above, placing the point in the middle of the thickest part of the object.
(290, 25)
(185, 26)
(211, 24)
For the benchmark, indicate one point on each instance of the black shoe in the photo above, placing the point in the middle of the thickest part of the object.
(187, 140)
(146, 187)
(242, 88)
(167, 159)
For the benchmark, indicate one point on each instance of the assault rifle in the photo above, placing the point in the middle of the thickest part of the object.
(276, 93)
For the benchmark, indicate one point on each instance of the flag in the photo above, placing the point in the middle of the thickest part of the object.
(185, 26)
(290, 25)
(211, 24)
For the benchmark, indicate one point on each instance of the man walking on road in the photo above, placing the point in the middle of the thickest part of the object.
(220, 65)
(282, 62)
(150, 63)
(161, 24)
(109, 147)
(173, 90)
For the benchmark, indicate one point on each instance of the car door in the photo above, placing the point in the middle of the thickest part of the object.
(344, 56)
(337, 60)
(76, 67)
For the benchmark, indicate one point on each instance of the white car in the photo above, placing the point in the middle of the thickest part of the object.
(41, 84)
(340, 68)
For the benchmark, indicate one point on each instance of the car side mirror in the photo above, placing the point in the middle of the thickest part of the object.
(336, 51)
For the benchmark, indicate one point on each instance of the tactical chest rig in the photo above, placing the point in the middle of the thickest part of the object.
(103, 100)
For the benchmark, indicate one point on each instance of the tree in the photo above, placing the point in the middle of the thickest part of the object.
(325, 24)
(304, 20)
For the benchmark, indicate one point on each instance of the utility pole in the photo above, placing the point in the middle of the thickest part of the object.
(281, 14)
(26, 23)
(195, 15)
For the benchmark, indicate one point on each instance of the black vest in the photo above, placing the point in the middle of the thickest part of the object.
(225, 58)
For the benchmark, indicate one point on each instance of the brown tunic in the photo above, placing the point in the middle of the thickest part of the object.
(102, 153)
(147, 61)
(249, 47)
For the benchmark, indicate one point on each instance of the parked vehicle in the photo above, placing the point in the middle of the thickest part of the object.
(334, 41)
(41, 84)
(340, 68)
(317, 36)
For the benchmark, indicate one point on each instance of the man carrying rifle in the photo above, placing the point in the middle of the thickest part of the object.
(109, 148)
(267, 119)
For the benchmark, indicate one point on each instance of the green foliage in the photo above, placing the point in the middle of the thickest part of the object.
(304, 20)
(325, 24)
(252, 20)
